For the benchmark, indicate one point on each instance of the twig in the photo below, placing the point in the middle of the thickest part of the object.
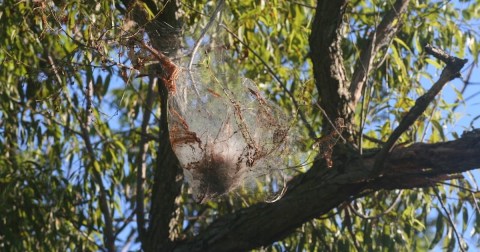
(373, 140)
(449, 220)
(457, 186)
(331, 123)
(204, 31)
(128, 243)
(199, 41)
(171, 70)
(429, 119)
(348, 223)
(363, 216)
(450, 72)
(328, 216)
(109, 237)
(89, 101)
(281, 193)
(126, 222)
(466, 82)
(192, 221)
(475, 201)
(108, 229)
(55, 69)
(304, 4)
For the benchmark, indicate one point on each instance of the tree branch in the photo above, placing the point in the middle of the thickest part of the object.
(109, 237)
(327, 59)
(451, 71)
(381, 37)
(449, 218)
(167, 175)
(84, 123)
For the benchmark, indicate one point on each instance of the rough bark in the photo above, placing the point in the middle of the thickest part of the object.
(326, 55)
(381, 37)
(167, 180)
(167, 174)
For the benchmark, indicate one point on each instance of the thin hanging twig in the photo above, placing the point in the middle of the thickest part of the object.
(452, 224)
(204, 31)
(366, 217)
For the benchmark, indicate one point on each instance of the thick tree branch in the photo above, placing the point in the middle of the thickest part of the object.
(381, 37)
(451, 71)
(167, 180)
(326, 56)
(320, 190)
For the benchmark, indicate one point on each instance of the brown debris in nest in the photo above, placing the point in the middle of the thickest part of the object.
(326, 143)
(214, 175)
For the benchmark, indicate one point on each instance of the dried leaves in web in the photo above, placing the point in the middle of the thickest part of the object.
(224, 132)
(325, 144)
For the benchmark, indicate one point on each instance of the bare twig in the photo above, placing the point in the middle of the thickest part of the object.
(214, 15)
(55, 69)
(363, 216)
(129, 241)
(373, 140)
(457, 186)
(348, 223)
(475, 201)
(304, 4)
(109, 236)
(171, 70)
(466, 83)
(449, 218)
(125, 223)
(108, 229)
(89, 101)
(450, 72)
(429, 119)
(331, 123)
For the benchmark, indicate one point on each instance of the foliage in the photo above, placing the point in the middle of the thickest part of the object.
(71, 113)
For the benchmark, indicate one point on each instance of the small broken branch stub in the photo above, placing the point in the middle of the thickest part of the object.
(454, 64)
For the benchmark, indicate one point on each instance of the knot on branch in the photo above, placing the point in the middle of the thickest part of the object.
(454, 64)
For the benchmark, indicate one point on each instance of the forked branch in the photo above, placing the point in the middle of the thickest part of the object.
(450, 72)
(381, 37)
